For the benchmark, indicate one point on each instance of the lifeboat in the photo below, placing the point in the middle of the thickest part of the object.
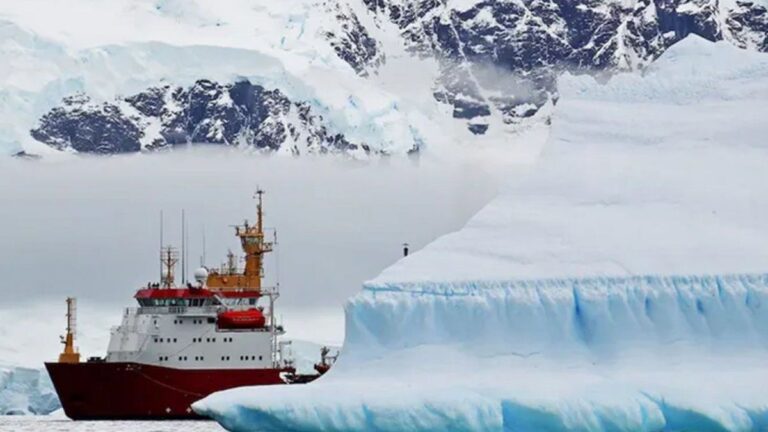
(241, 319)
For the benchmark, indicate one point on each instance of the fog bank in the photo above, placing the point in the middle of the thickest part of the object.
(89, 227)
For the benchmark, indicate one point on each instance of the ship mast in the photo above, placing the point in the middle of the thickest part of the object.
(168, 258)
(70, 354)
(255, 247)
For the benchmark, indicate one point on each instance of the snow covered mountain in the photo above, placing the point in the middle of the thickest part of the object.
(620, 286)
(351, 76)
(506, 56)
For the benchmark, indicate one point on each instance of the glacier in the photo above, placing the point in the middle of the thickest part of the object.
(619, 285)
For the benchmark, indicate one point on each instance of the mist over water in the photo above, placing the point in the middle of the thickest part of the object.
(89, 227)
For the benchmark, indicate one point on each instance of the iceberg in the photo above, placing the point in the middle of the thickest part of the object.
(25, 391)
(620, 285)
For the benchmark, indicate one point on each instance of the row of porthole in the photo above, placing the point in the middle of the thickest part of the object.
(194, 340)
(201, 358)
(182, 358)
(194, 321)
(242, 358)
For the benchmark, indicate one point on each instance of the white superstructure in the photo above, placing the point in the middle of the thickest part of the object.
(186, 335)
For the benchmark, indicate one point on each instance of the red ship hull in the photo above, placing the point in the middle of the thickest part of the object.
(133, 391)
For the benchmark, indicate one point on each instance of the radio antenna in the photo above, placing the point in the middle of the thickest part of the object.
(202, 257)
(183, 250)
(186, 255)
(161, 244)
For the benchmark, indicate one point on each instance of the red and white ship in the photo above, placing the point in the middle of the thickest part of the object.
(182, 343)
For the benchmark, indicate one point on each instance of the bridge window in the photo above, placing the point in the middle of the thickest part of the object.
(174, 340)
(259, 357)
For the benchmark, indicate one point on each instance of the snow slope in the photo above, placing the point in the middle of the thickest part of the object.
(620, 287)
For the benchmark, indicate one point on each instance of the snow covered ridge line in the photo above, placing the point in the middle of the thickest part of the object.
(239, 114)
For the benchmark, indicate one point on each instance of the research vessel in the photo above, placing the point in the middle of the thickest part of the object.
(182, 343)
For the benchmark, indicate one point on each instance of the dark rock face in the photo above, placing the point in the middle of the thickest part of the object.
(748, 23)
(85, 127)
(505, 56)
(150, 102)
(352, 41)
(238, 114)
